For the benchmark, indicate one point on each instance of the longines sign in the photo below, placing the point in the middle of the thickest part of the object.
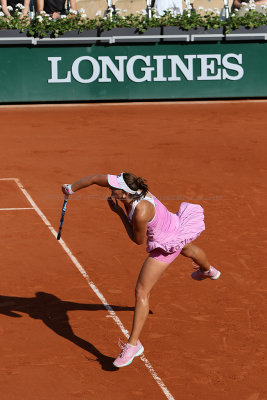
(156, 68)
(170, 71)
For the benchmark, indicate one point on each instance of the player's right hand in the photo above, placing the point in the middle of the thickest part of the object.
(66, 189)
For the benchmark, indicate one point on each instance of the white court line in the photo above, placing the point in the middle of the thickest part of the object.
(12, 209)
(92, 285)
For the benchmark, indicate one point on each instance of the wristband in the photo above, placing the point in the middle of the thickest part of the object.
(69, 190)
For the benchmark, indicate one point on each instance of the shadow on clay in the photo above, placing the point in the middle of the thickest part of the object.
(53, 312)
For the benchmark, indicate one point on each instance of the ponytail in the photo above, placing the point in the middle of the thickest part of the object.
(136, 183)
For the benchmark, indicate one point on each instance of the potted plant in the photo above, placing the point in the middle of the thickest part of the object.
(136, 27)
(76, 28)
(114, 24)
(248, 24)
(192, 26)
(73, 28)
(13, 30)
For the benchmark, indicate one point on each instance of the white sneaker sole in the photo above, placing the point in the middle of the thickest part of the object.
(216, 276)
(129, 362)
(203, 276)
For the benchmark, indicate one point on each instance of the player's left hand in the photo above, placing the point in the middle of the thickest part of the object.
(114, 206)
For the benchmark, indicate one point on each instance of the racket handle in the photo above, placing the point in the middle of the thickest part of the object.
(62, 217)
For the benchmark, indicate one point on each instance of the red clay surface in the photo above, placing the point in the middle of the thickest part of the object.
(206, 340)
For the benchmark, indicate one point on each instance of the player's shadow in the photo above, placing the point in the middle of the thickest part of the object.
(53, 312)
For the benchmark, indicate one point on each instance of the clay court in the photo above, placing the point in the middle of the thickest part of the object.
(203, 340)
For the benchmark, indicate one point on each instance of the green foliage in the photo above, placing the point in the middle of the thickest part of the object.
(250, 19)
(18, 21)
(43, 24)
(115, 20)
(140, 21)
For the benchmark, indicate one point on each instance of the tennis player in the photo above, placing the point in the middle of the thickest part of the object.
(168, 235)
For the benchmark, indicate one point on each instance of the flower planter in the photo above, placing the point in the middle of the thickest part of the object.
(71, 37)
(150, 32)
(120, 35)
(193, 35)
(175, 34)
(206, 35)
(247, 34)
(14, 37)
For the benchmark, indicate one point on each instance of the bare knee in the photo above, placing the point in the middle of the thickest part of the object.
(188, 250)
(141, 293)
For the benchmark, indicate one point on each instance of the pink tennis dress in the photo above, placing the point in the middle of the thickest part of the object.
(168, 233)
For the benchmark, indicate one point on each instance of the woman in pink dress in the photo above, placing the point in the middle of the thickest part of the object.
(168, 235)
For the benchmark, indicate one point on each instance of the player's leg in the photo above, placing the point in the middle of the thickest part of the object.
(150, 273)
(199, 257)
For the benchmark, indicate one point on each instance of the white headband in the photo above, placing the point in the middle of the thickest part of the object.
(123, 185)
(117, 181)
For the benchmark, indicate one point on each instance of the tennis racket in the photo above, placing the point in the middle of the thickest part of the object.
(62, 217)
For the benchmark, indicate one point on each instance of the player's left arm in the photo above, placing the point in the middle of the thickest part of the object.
(137, 229)
(140, 220)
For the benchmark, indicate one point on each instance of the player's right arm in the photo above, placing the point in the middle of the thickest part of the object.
(97, 179)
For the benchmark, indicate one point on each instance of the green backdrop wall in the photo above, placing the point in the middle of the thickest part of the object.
(130, 72)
